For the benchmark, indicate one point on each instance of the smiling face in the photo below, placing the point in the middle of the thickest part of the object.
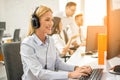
(79, 20)
(70, 11)
(46, 23)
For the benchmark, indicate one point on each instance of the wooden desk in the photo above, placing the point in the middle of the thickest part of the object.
(77, 59)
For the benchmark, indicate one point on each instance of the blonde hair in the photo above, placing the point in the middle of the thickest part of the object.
(39, 12)
(78, 15)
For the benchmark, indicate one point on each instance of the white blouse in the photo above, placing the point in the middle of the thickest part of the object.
(35, 55)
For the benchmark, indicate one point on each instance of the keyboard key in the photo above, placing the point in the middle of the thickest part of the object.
(95, 75)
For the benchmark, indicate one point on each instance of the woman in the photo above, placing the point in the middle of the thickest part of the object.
(39, 57)
(59, 38)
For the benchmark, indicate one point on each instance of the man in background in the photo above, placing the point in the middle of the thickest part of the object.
(81, 29)
(68, 20)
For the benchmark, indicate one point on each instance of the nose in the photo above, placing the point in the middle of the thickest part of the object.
(51, 22)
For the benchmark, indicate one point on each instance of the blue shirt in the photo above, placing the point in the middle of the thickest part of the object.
(35, 55)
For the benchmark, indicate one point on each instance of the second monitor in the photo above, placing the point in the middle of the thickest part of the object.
(91, 41)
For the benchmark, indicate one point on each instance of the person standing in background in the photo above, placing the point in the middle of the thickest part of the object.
(81, 29)
(38, 54)
(68, 20)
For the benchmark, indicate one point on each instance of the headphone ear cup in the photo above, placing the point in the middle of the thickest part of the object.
(35, 21)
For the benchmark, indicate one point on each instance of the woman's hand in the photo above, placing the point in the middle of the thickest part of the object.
(65, 50)
(80, 71)
(75, 44)
(76, 74)
(85, 69)
(112, 68)
(75, 36)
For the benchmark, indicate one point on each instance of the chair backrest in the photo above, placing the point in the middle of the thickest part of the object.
(16, 36)
(1, 35)
(65, 36)
(12, 60)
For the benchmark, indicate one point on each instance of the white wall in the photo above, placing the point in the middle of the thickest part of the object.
(17, 13)
(2, 16)
(95, 10)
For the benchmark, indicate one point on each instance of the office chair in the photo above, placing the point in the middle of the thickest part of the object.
(16, 36)
(12, 60)
(66, 40)
(1, 35)
(65, 36)
(71, 48)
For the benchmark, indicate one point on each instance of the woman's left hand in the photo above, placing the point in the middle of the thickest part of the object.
(85, 69)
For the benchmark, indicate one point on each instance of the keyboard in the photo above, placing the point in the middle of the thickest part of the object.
(95, 75)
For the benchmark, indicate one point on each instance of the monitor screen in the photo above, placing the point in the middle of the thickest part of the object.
(2, 25)
(113, 28)
(91, 41)
(113, 40)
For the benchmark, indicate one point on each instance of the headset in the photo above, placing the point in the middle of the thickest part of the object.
(35, 20)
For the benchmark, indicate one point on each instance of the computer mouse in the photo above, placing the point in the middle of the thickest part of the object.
(113, 72)
(117, 68)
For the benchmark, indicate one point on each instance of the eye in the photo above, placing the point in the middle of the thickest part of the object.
(53, 20)
(47, 20)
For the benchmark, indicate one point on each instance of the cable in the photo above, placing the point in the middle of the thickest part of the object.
(47, 53)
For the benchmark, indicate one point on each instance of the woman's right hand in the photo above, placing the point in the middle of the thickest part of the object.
(77, 74)
(75, 36)
(80, 71)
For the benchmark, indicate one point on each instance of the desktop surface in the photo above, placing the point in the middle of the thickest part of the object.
(92, 33)
(77, 59)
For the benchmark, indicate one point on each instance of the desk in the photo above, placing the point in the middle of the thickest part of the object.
(7, 39)
(77, 59)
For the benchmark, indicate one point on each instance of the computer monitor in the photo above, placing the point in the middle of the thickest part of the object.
(113, 28)
(91, 41)
(2, 25)
(113, 39)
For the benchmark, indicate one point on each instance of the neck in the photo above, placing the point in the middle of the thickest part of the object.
(41, 36)
(68, 15)
(79, 25)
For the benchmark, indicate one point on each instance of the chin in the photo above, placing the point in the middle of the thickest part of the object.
(49, 32)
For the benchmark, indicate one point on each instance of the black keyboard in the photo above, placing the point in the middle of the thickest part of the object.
(95, 75)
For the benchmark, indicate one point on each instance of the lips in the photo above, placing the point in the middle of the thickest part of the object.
(49, 28)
